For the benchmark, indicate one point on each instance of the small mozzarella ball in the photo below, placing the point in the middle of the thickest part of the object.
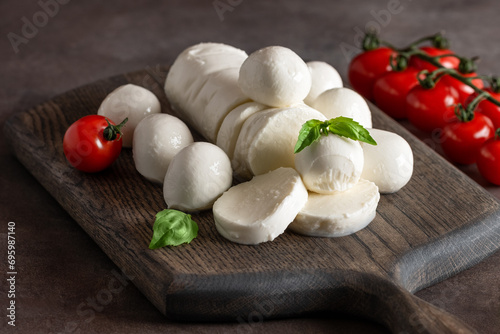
(345, 102)
(197, 176)
(157, 139)
(389, 164)
(323, 77)
(332, 163)
(275, 76)
(132, 102)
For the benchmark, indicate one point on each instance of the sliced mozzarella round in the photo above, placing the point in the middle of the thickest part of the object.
(389, 164)
(219, 95)
(188, 74)
(323, 77)
(344, 102)
(231, 126)
(267, 139)
(332, 163)
(196, 177)
(261, 209)
(338, 214)
(275, 76)
(132, 102)
(157, 139)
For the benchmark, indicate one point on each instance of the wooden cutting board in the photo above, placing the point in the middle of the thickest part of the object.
(440, 223)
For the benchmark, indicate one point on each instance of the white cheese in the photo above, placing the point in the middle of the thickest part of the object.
(323, 77)
(132, 102)
(157, 139)
(275, 76)
(231, 126)
(267, 139)
(332, 163)
(196, 177)
(389, 164)
(344, 102)
(261, 209)
(338, 214)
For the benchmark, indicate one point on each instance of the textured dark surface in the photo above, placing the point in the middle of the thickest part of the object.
(61, 271)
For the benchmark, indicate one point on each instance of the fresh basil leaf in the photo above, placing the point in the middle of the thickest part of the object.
(172, 228)
(347, 127)
(309, 133)
(313, 129)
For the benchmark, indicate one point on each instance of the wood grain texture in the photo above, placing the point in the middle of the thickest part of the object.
(442, 222)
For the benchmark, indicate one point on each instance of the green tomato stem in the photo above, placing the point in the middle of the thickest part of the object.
(112, 131)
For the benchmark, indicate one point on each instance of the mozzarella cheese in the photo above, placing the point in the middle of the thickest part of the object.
(261, 209)
(132, 102)
(345, 102)
(332, 163)
(338, 214)
(157, 139)
(196, 177)
(267, 139)
(389, 164)
(275, 76)
(231, 126)
(323, 77)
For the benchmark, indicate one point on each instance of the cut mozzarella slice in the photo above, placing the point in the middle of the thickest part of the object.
(231, 126)
(132, 102)
(261, 209)
(189, 73)
(323, 77)
(338, 214)
(216, 99)
(275, 76)
(332, 163)
(196, 177)
(389, 164)
(157, 139)
(267, 139)
(344, 102)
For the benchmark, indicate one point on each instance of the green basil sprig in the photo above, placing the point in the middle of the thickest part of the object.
(172, 228)
(313, 129)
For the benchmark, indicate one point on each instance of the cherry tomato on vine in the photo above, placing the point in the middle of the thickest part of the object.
(368, 66)
(490, 109)
(488, 160)
(461, 140)
(429, 109)
(464, 90)
(92, 143)
(390, 90)
(448, 62)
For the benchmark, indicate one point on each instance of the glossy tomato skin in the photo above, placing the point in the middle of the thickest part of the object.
(490, 109)
(390, 90)
(464, 91)
(431, 109)
(366, 67)
(461, 141)
(488, 160)
(448, 62)
(85, 147)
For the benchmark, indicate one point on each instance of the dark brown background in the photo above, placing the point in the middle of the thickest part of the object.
(60, 267)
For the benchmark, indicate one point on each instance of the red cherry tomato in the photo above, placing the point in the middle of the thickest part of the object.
(461, 141)
(431, 109)
(86, 148)
(490, 109)
(390, 90)
(448, 62)
(366, 67)
(488, 160)
(465, 91)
